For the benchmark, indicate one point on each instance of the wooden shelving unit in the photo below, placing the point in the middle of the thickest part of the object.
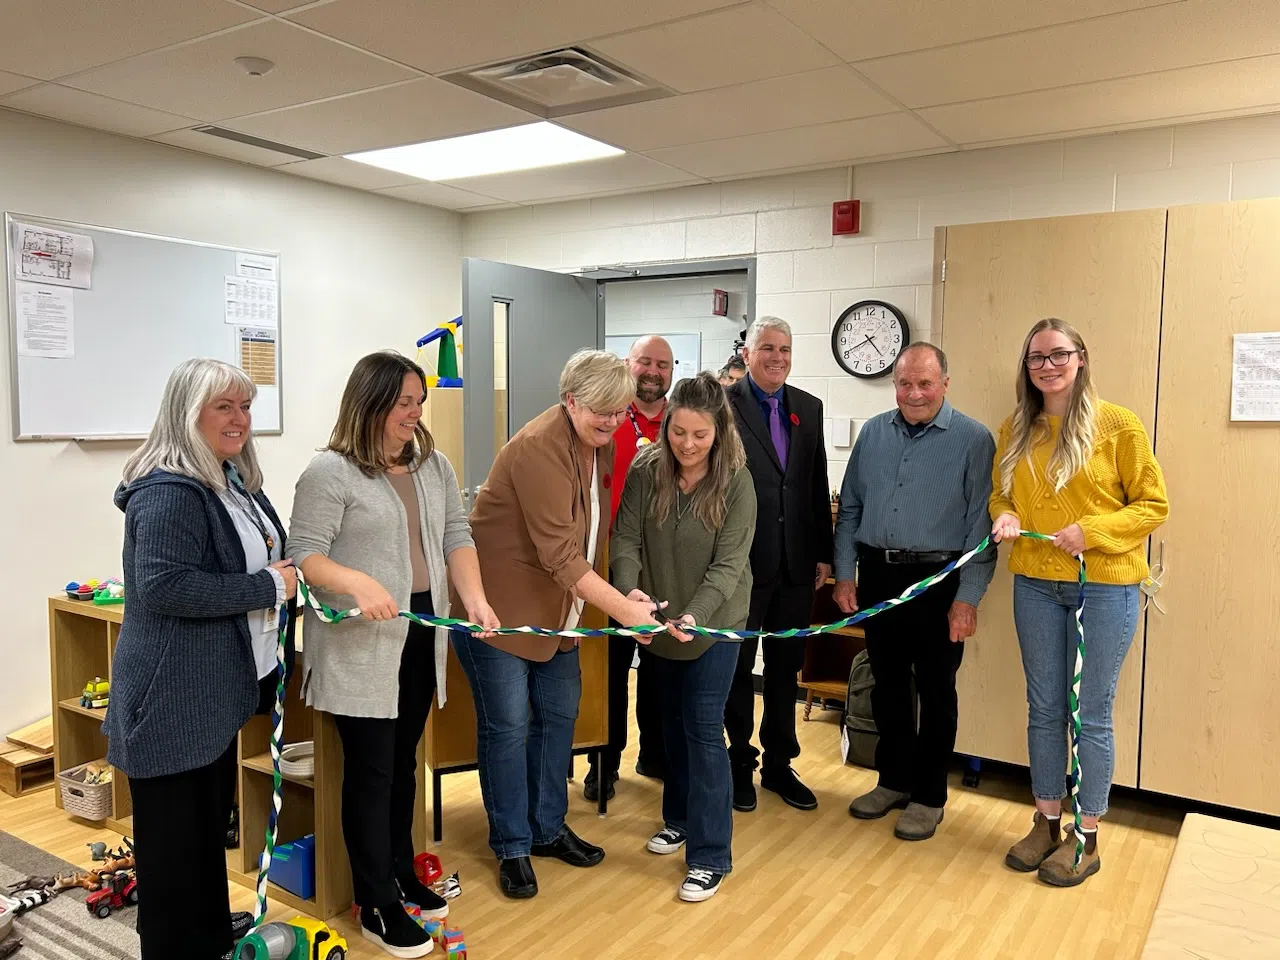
(82, 641)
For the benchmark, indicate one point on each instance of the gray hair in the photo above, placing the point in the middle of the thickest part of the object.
(762, 324)
(925, 345)
(597, 379)
(175, 443)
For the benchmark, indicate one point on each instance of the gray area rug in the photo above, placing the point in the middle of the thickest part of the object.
(63, 929)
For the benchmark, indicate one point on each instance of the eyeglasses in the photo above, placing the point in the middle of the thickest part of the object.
(615, 415)
(1058, 358)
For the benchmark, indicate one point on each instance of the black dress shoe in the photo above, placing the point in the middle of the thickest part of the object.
(591, 786)
(744, 789)
(787, 785)
(570, 848)
(516, 878)
(651, 770)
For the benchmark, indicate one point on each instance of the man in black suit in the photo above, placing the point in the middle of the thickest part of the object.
(781, 428)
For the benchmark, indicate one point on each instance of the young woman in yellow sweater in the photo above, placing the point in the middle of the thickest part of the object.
(1082, 469)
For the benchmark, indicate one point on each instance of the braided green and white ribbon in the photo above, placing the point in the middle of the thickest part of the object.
(277, 796)
(329, 615)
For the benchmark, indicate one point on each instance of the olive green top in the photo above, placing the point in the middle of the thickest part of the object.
(705, 573)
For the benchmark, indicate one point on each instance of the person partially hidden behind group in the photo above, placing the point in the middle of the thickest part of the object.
(197, 656)
(1081, 469)
(733, 371)
(540, 523)
(378, 524)
(683, 535)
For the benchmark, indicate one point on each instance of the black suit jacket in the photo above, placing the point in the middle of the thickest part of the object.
(793, 507)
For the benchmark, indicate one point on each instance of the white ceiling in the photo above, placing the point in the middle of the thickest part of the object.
(756, 86)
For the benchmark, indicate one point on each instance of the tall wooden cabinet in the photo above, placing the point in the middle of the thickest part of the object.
(1157, 295)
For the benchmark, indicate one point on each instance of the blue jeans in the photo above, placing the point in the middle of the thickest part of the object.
(1044, 612)
(525, 711)
(692, 694)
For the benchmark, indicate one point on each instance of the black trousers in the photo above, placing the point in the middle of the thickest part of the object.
(179, 842)
(912, 637)
(776, 606)
(653, 752)
(379, 775)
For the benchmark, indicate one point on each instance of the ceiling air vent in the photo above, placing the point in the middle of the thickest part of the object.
(558, 83)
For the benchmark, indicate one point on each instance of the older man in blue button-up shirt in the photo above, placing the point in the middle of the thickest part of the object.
(914, 498)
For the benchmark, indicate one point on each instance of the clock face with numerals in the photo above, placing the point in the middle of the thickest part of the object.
(868, 337)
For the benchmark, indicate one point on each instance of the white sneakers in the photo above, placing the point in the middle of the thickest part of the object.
(699, 885)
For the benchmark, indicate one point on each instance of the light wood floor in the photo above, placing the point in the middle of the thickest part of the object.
(812, 885)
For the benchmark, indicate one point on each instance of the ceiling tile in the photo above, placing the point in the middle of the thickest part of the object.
(893, 134)
(439, 195)
(718, 49)
(202, 80)
(424, 109)
(803, 99)
(1242, 85)
(54, 38)
(91, 110)
(1127, 44)
(9, 82)
(441, 35)
(348, 173)
(593, 178)
(219, 147)
(861, 29)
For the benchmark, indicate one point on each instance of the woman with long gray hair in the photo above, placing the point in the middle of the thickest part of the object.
(206, 573)
(683, 536)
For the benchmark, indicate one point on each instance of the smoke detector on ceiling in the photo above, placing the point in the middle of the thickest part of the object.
(559, 83)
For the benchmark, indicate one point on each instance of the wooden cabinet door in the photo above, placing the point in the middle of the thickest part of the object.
(1103, 274)
(1210, 727)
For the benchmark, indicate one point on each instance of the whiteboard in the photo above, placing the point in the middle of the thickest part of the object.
(686, 351)
(152, 303)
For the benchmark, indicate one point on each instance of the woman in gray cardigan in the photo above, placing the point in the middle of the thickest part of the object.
(378, 524)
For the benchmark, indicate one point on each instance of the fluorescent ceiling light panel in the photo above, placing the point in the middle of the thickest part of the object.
(526, 147)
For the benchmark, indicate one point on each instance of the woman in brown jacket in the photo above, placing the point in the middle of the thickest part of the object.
(540, 523)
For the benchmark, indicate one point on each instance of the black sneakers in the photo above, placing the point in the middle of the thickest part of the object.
(787, 785)
(427, 900)
(394, 931)
(666, 841)
(700, 885)
(744, 789)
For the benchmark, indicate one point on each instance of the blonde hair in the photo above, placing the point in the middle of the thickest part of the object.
(699, 394)
(1028, 426)
(176, 444)
(371, 393)
(599, 380)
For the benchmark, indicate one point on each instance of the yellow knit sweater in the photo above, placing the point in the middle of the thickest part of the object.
(1118, 499)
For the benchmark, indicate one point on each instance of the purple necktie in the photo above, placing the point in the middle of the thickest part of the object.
(776, 432)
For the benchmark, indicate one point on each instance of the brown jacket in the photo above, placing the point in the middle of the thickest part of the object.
(529, 523)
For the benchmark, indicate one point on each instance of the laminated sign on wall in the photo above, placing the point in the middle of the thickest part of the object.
(1255, 377)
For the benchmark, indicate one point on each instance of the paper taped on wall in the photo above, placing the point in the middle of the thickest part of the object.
(45, 255)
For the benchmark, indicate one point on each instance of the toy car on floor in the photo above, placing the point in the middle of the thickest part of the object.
(300, 939)
(118, 889)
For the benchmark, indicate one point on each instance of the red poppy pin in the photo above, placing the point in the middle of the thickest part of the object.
(607, 481)
(795, 421)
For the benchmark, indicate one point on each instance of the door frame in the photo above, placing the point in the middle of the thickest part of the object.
(672, 270)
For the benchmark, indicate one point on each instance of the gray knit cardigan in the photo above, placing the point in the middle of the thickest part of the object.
(183, 679)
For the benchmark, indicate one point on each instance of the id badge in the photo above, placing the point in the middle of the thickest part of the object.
(270, 621)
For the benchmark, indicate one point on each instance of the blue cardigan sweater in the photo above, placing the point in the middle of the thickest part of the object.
(183, 681)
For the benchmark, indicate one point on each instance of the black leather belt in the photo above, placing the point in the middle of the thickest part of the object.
(909, 556)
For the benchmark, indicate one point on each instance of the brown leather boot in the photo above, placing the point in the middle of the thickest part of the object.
(1059, 870)
(1032, 850)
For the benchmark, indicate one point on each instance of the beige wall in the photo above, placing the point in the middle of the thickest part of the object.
(58, 523)
(809, 278)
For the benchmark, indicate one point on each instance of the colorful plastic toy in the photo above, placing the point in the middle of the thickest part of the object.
(97, 692)
(426, 867)
(119, 889)
(447, 361)
(300, 939)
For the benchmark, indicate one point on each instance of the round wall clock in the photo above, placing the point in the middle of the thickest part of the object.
(868, 337)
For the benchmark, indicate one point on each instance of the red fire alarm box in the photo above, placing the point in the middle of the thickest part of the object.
(846, 217)
(720, 303)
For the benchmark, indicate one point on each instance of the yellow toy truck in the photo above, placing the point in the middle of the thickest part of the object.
(300, 939)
